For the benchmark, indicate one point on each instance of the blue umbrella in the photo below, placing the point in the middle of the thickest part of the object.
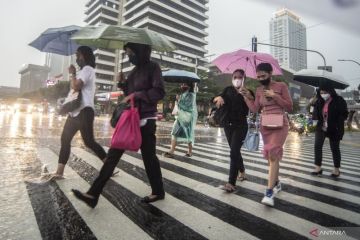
(180, 76)
(57, 40)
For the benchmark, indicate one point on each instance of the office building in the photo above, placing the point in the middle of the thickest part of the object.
(182, 21)
(287, 30)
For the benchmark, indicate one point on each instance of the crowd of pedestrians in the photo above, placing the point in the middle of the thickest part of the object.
(144, 85)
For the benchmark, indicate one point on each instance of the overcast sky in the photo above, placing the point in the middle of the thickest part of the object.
(232, 23)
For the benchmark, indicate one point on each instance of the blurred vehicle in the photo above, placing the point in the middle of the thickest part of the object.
(3, 106)
(300, 123)
(23, 105)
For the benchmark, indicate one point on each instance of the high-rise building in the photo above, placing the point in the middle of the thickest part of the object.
(104, 12)
(287, 30)
(182, 21)
(33, 77)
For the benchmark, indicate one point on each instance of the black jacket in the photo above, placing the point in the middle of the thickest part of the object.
(235, 105)
(337, 114)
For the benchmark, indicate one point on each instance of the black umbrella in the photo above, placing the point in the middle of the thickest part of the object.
(317, 77)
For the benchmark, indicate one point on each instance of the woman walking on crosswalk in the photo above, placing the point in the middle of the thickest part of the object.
(274, 100)
(235, 126)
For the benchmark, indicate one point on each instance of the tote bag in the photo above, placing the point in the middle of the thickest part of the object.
(252, 138)
(71, 103)
(127, 134)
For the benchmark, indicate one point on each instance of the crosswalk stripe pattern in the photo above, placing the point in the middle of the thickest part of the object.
(196, 208)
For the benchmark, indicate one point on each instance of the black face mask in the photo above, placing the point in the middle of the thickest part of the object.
(80, 62)
(133, 59)
(265, 82)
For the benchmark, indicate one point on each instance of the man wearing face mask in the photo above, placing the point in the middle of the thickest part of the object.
(331, 112)
(236, 126)
(184, 126)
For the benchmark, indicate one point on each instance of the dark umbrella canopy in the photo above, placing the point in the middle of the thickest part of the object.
(57, 40)
(318, 77)
(180, 76)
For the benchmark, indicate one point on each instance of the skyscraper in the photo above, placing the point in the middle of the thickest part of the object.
(287, 30)
(182, 21)
(104, 12)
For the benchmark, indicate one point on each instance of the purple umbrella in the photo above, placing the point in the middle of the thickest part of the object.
(246, 60)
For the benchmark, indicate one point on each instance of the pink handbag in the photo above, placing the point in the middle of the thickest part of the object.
(127, 134)
(272, 121)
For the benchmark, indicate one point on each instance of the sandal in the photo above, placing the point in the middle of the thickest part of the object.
(169, 155)
(188, 155)
(229, 188)
(241, 178)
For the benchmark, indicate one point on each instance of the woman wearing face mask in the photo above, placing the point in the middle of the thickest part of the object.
(236, 127)
(82, 118)
(184, 125)
(145, 84)
(331, 111)
(273, 97)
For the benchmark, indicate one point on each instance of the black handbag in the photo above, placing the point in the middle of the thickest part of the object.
(119, 109)
(71, 103)
(218, 117)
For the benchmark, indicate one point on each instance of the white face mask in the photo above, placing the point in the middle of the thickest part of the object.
(325, 96)
(237, 82)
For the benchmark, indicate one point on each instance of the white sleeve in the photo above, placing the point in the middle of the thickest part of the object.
(85, 74)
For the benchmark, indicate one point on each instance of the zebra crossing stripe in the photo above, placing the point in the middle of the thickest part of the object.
(101, 219)
(19, 223)
(293, 198)
(201, 222)
(290, 222)
(224, 155)
(283, 171)
(308, 150)
(301, 185)
(290, 155)
(284, 162)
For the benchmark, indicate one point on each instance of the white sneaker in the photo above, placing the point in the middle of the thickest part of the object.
(277, 188)
(268, 199)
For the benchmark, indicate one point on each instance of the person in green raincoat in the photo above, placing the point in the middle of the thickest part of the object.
(186, 117)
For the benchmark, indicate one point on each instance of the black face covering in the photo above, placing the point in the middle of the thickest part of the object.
(265, 82)
(133, 59)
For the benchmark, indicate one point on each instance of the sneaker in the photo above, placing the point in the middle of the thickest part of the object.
(268, 199)
(277, 187)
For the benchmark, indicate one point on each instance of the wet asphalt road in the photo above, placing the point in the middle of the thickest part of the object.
(195, 207)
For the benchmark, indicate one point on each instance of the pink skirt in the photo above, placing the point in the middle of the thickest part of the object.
(274, 140)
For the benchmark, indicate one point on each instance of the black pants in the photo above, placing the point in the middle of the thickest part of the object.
(151, 162)
(83, 122)
(235, 136)
(334, 146)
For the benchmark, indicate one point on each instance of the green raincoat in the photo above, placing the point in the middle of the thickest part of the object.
(184, 125)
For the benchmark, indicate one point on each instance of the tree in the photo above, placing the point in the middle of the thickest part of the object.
(51, 93)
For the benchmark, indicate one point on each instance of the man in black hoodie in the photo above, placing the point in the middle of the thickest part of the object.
(331, 112)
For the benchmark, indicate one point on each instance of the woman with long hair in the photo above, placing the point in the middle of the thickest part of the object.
(82, 118)
(273, 98)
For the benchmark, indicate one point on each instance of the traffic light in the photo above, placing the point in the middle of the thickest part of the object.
(254, 44)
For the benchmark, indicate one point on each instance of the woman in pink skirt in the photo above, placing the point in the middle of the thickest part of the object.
(272, 98)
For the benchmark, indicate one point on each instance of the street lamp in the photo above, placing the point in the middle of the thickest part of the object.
(348, 60)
